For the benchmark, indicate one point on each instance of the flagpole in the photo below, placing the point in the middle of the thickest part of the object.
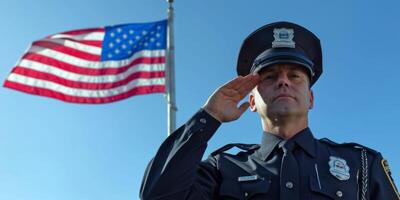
(170, 70)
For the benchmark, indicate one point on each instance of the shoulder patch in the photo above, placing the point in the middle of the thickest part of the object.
(385, 166)
(386, 169)
(245, 147)
(347, 144)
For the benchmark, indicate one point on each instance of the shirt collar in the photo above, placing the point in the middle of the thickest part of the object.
(304, 139)
(268, 143)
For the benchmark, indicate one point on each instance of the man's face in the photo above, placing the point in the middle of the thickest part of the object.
(282, 92)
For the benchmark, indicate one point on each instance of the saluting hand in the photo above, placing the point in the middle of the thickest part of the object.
(223, 103)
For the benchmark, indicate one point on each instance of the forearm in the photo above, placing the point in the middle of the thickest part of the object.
(172, 171)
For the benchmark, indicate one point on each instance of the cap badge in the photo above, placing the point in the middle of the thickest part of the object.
(339, 168)
(283, 38)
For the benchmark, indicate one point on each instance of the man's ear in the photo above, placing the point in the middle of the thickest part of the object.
(252, 102)
(311, 100)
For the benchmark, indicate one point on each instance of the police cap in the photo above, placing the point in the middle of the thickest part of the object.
(281, 42)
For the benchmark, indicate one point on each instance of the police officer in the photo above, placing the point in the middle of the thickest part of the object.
(277, 66)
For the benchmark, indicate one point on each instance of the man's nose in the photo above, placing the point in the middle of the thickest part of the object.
(283, 81)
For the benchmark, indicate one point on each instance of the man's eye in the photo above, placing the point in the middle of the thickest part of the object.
(295, 76)
(268, 77)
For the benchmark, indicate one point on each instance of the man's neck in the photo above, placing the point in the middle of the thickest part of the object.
(285, 129)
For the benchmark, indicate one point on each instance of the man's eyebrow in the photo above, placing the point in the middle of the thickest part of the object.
(298, 69)
(269, 70)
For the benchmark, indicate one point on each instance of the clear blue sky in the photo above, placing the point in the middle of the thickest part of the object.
(55, 150)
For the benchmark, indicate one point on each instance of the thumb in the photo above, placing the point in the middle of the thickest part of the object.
(243, 107)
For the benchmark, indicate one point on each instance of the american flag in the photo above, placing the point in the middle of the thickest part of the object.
(97, 65)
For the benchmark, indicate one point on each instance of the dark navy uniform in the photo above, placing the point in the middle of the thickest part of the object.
(177, 172)
(301, 168)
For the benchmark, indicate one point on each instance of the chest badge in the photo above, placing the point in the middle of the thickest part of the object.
(339, 168)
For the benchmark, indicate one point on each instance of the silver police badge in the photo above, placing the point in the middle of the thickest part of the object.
(283, 38)
(339, 168)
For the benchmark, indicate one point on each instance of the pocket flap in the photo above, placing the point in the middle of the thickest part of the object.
(242, 190)
(257, 187)
(333, 188)
(232, 189)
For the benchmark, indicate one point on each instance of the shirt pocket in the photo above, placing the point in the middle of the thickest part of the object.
(328, 187)
(233, 189)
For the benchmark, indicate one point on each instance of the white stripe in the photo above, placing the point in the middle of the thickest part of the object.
(92, 64)
(89, 78)
(76, 45)
(83, 92)
(85, 36)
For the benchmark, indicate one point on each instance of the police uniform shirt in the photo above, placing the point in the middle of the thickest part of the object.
(324, 169)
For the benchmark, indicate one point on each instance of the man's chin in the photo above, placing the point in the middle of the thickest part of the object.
(283, 112)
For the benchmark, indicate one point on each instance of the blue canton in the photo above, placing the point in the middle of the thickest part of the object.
(122, 41)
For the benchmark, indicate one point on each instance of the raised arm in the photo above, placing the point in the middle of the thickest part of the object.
(176, 172)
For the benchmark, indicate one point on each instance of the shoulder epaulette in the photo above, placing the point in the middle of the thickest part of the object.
(245, 147)
(347, 144)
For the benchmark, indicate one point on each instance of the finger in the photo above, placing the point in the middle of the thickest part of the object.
(247, 86)
(234, 83)
(230, 92)
(253, 79)
(243, 107)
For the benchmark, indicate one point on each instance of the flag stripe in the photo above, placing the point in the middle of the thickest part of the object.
(83, 31)
(92, 64)
(84, 92)
(26, 64)
(67, 50)
(87, 85)
(89, 100)
(79, 45)
(85, 36)
(94, 43)
(47, 61)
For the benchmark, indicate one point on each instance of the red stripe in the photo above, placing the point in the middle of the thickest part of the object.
(87, 100)
(87, 71)
(68, 50)
(84, 85)
(94, 43)
(82, 31)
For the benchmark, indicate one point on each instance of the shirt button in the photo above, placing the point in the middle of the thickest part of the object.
(339, 193)
(203, 120)
(289, 185)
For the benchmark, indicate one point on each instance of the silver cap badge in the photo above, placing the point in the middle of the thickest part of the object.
(339, 168)
(283, 38)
